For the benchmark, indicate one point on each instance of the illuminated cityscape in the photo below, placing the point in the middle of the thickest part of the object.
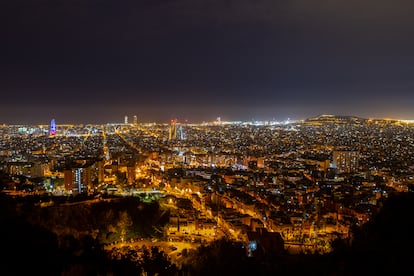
(199, 138)
(281, 187)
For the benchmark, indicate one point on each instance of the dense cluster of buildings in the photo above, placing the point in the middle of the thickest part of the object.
(304, 182)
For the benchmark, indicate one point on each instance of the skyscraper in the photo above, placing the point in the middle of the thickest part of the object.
(173, 130)
(52, 129)
(180, 133)
(135, 120)
(126, 119)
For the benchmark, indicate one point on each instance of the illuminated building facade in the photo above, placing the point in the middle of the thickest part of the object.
(130, 173)
(52, 129)
(180, 133)
(77, 180)
(100, 171)
(173, 130)
(346, 161)
(68, 180)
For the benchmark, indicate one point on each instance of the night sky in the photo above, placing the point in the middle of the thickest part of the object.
(95, 61)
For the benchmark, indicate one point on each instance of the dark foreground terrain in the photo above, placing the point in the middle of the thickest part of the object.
(68, 239)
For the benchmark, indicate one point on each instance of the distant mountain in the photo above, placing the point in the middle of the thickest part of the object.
(335, 119)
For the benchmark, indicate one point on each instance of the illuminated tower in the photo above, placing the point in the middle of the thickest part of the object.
(126, 119)
(180, 133)
(173, 130)
(135, 120)
(52, 129)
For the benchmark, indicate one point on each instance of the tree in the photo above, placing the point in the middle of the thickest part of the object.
(124, 222)
(156, 262)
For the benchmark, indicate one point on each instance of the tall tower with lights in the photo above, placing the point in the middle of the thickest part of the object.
(52, 128)
(173, 130)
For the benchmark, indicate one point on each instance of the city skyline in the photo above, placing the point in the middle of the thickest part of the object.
(94, 62)
(52, 125)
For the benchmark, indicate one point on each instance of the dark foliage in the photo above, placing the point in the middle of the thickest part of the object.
(386, 243)
(26, 248)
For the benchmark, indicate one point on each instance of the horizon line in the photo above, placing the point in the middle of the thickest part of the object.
(217, 120)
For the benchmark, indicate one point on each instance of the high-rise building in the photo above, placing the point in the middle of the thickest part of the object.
(130, 174)
(78, 179)
(173, 130)
(135, 120)
(68, 179)
(100, 171)
(180, 133)
(52, 129)
(126, 119)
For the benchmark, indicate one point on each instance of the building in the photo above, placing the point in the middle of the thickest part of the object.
(68, 180)
(78, 180)
(28, 169)
(99, 168)
(130, 173)
(346, 161)
(172, 135)
(135, 122)
(52, 129)
(180, 133)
